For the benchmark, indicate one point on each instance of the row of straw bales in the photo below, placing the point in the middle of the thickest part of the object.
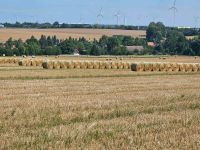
(30, 62)
(9, 60)
(85, 65)
(165, 67)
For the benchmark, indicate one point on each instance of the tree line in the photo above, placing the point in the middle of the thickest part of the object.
(185, 31)
(66, 25)
(168, 41)
(171, 41)
(115, 45)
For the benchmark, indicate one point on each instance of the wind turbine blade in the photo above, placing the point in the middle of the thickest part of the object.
(174, 2)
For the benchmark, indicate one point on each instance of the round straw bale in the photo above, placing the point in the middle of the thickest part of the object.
(90, 65)
(175, 67)
(182, 67)
(195, 67)
(3, 61)
(162, 67)
(126, 65)
(129, 65)
(114, 65)
(77, 64)
(33, 63)
(39, 62)
(16, 60)
(56, 65)
(188, 67)
(148, 67)
(156, 67)
(62, 65)
(6, 60)
(83, 65)
(120, 65)
(70, 64)
(96, 64)
(28, 62)
(107, 65)
(22, 62)
(11, 60)
(167, 67)
(102, 65)
(170, 67)
(198, 66)
(47, 64)
(137, 67)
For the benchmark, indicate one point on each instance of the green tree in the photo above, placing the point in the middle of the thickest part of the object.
(95, 50)
(176, 43)
(155, 32)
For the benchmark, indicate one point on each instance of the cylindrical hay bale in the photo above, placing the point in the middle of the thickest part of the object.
(126, 65)
(129, 65)
(11, 60)
(137, 67)
(156, 67)
(56, 65)
(167, 67)
(33, 63)
(188, 67)
(6, 60)
(16, 60)
(107, 65)
(38, 62)
(90, 65)
(28, 62)
(198, 66)
(195, 68)
(22, 62)
(102, 65)
(96, 65)
(114, 65)
(182, 67)
(77, 64)
(62, 65)
(2, 61)
(69, 64)
(170, 68)
(83, 65)
(120, 65)
(47, 65)
(162, 67)
(148, 67)
(175, 67)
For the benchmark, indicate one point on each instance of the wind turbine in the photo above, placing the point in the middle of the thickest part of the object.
(196, 20)
(117, 15)
(100, 16)
(125, 20)
(174, 9)
(81, 20)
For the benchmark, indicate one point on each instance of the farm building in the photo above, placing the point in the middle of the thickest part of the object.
(135, 48)
(76, 52)
(151, 44)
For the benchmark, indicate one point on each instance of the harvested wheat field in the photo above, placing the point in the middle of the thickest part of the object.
(98, 109)
(89, 34)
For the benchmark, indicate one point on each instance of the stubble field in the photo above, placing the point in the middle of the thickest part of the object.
(89, 34)
(98, 109)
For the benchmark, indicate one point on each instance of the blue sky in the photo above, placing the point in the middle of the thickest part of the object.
(137, 12)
